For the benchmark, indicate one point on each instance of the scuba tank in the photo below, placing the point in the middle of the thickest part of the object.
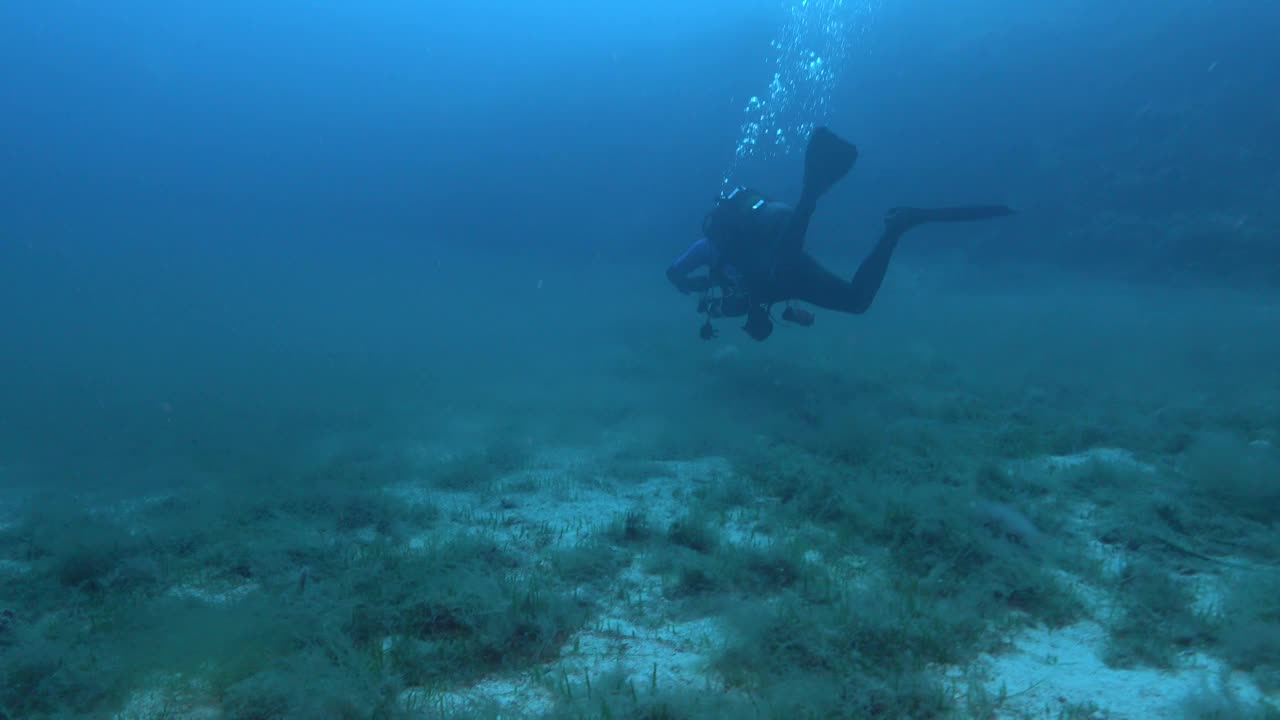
(746, 228)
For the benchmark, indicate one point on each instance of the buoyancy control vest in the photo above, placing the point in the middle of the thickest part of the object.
(746, 228)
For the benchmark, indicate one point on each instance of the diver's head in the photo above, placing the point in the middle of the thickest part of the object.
(734, 213)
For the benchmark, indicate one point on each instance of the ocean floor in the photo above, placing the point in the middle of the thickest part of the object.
(983, 522)
(646, 641)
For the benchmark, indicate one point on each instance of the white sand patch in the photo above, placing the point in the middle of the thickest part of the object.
(742, 528)
(1109, 456)
(632, 638)
(1082, 516)
(1081, 521)
(210, 596)
(167, 701)
(579, 511)
(632, 633)
(572, 500)
(1049, 671)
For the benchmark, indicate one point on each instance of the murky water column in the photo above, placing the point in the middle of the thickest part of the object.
(809, 52)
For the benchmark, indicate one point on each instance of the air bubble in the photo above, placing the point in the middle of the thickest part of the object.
(810, 51)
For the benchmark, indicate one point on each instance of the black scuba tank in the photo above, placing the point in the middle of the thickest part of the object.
(746, 227)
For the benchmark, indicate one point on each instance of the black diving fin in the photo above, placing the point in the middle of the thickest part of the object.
(827, 160)
(901, 219)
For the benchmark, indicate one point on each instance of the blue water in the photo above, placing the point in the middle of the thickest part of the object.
(197, 200)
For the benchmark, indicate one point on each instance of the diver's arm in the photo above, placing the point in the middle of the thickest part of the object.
(699, 254)
(698, 283)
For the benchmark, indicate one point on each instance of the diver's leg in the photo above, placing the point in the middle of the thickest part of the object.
(827, 160)
(812, 283)
(809, 281)
(797, 227)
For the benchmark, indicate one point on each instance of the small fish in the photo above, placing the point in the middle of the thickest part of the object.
(1007, 520)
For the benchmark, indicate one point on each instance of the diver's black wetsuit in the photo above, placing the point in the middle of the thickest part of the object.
(756, 253)
(802, 277)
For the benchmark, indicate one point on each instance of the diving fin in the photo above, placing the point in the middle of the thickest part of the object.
(827, 160)
(901, 219)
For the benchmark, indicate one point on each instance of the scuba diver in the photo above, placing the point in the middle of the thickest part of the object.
(753, 248)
